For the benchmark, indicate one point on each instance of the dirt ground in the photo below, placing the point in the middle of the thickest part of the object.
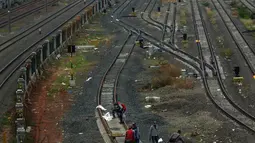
(187, 109)
(53, 97)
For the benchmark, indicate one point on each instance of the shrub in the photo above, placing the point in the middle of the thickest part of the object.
(206, 4)
(183, 83)
(169, 70)
(227, 52)
(244, 12)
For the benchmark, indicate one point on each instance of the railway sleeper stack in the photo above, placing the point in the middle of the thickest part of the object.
(33, 68)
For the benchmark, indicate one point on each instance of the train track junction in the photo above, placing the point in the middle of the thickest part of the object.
(185, 65)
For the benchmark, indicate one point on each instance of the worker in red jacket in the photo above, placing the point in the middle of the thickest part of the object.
(130, 135)
(120, 109)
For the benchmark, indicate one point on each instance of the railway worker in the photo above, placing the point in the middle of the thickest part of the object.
(130, 136)
(120, 109)
(136, 133)
(176, 138)
(153, 133)
(40, 31)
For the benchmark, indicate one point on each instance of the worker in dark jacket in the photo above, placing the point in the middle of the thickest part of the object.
(153, 133)
(176, 138)
(136, 133)
(119, 109)
(130, 136)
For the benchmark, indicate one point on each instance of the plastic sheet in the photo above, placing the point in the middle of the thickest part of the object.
(101, 107)
(107, 116)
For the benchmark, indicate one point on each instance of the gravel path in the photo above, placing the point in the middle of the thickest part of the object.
(80, 122)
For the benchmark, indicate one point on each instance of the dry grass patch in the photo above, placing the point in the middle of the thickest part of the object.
(168, 74)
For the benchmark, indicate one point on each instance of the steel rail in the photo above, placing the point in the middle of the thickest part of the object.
(22, 61)
(201, 72)
(35, 27)
(170, 46)
(249, 5)
(165, 22)
(219, 78)
(99, 93)
(19, 7)
(22, 15)
(251, 67)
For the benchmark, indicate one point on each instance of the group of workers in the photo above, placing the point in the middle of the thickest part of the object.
(133, 134)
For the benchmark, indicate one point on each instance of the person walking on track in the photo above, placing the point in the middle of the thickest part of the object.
(153, 133)
(176, 138)
(136, 133)
(119, 109)
(130, 136)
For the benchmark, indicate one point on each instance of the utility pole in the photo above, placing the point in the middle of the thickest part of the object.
(46, 5)
(9, 15)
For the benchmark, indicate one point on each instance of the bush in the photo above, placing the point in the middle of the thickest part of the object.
(244, 12)
(249, 24)
(227, 52)
(169, 70)
(184, 83)
(206, 4)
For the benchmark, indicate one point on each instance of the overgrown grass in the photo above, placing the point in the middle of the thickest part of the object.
(244, 12)
(249, 23)
(185, 43)
(183, 16)
(206, 4)
(168, 74)
(6, 119)
(212, 15)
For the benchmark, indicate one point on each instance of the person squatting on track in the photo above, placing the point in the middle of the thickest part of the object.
(153, 133)
(176, 138)
(136, 133)
(130, 135)
(120, 109)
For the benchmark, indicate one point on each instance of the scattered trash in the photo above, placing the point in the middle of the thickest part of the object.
(58, 56)
(218, 90)
(107, 116)
(63, 83)
(164, 110)
(89, 79)
(28, 129)
(80, 133)
(147, 106)
(233, 130)
(95, 48)
(101, 107)
(154, 66)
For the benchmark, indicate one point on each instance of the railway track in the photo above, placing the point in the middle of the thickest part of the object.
(221, 98)
(211, 86)
(9, 67)
(21, 56)
(107, 92)
(243, 46)
(249, 4)
(3, 13)
(4, 17)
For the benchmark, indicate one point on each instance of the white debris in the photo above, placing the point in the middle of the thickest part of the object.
(152, 99)
(63, 83)
(80, 133)
(147, 106)
(160, 140)
(95, 48)
(101, 107)
(107, 116)
(58, 56)
(218, 90)
(233, 130)
(28, 129)
(89, 79)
